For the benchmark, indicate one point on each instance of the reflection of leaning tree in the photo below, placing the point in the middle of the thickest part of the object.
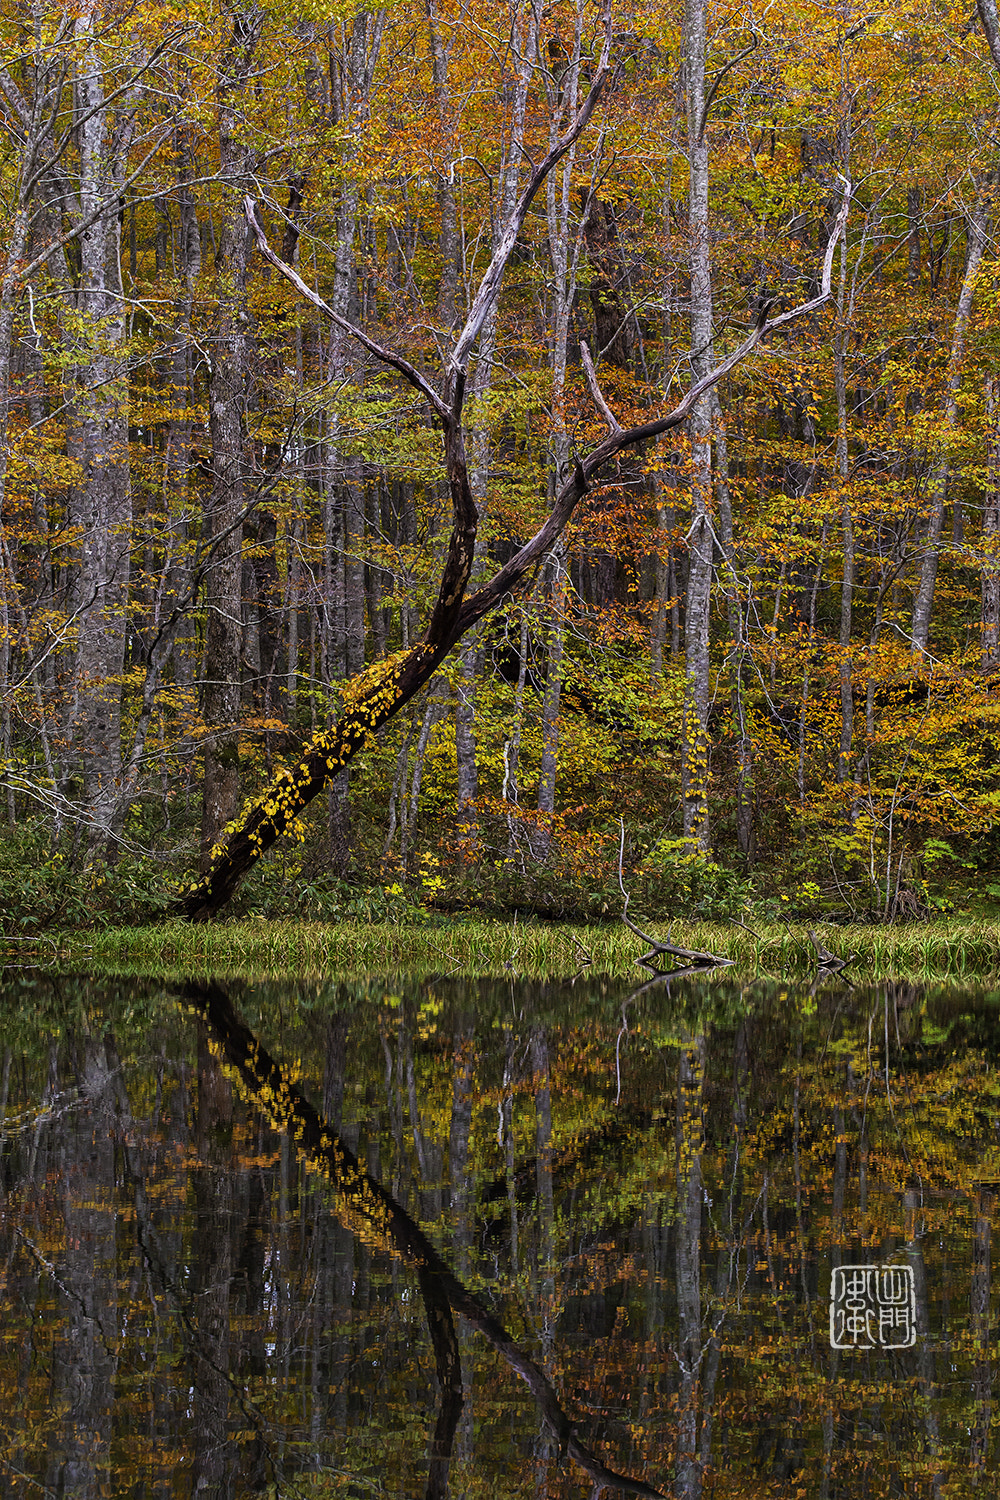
(374, 1215)
(378, 694)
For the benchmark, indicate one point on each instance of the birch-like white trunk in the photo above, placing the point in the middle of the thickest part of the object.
(990, 575)
(695, 744)
(523, 37)
(101, 502)
(564, 254)
(344, 655)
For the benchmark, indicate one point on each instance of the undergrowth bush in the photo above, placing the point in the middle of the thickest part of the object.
(578, 878)
(42, 888)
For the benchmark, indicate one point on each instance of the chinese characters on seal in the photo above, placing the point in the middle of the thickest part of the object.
(872, 1307)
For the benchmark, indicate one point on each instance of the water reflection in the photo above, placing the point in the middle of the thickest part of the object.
(300, 1239)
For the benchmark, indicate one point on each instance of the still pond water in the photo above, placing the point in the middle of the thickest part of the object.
(441, 1237)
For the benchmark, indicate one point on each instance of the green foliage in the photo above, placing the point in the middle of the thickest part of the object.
(42, 889)
(676, 876)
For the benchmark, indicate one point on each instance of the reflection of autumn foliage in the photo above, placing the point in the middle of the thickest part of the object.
(649, 1194)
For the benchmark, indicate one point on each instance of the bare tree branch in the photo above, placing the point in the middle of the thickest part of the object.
(510, 575)
(595, 389)
(387, 356)
(489, 287)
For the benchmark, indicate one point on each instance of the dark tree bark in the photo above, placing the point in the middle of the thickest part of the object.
(690, 1140)
(84, 1363)
(610, 308)
(937, 485)
(226, 408)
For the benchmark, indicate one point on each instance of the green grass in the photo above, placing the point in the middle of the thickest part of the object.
(478, 947)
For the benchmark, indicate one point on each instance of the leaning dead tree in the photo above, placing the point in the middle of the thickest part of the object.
(377, 694)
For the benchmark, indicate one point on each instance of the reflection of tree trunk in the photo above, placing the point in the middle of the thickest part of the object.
(460, 1185)
(925, 1346)
(836, 1238)
(84, 1364)
(982, 1380)
(428, 1153)
(690, 1138)
(729, 1253)
(164, 1254)
(543, 1178)
(338, 1278)
(449, 1373)
(545, 1284)
(458, 1143)
(510, 1160)
(213, 1273)
(4, 1090)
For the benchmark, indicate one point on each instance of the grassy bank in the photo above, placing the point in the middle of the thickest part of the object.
(489, 947)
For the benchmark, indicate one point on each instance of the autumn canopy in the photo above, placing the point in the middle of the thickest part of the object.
(436, 434)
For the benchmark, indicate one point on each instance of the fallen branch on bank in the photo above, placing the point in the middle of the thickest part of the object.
(693, 960)
(831, 963)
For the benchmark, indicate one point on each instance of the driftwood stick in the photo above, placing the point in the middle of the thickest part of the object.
(693, 958)
(831, 962)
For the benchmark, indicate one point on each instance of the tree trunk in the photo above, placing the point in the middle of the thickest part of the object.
(840, 344)
(102, 502)
(556, 570)
(522, 44)
(696, 745)
(346, 647)
(564, 253)
(662, 575)
(937, 486)
(227, 397)
(991, 531)
(745, 797)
